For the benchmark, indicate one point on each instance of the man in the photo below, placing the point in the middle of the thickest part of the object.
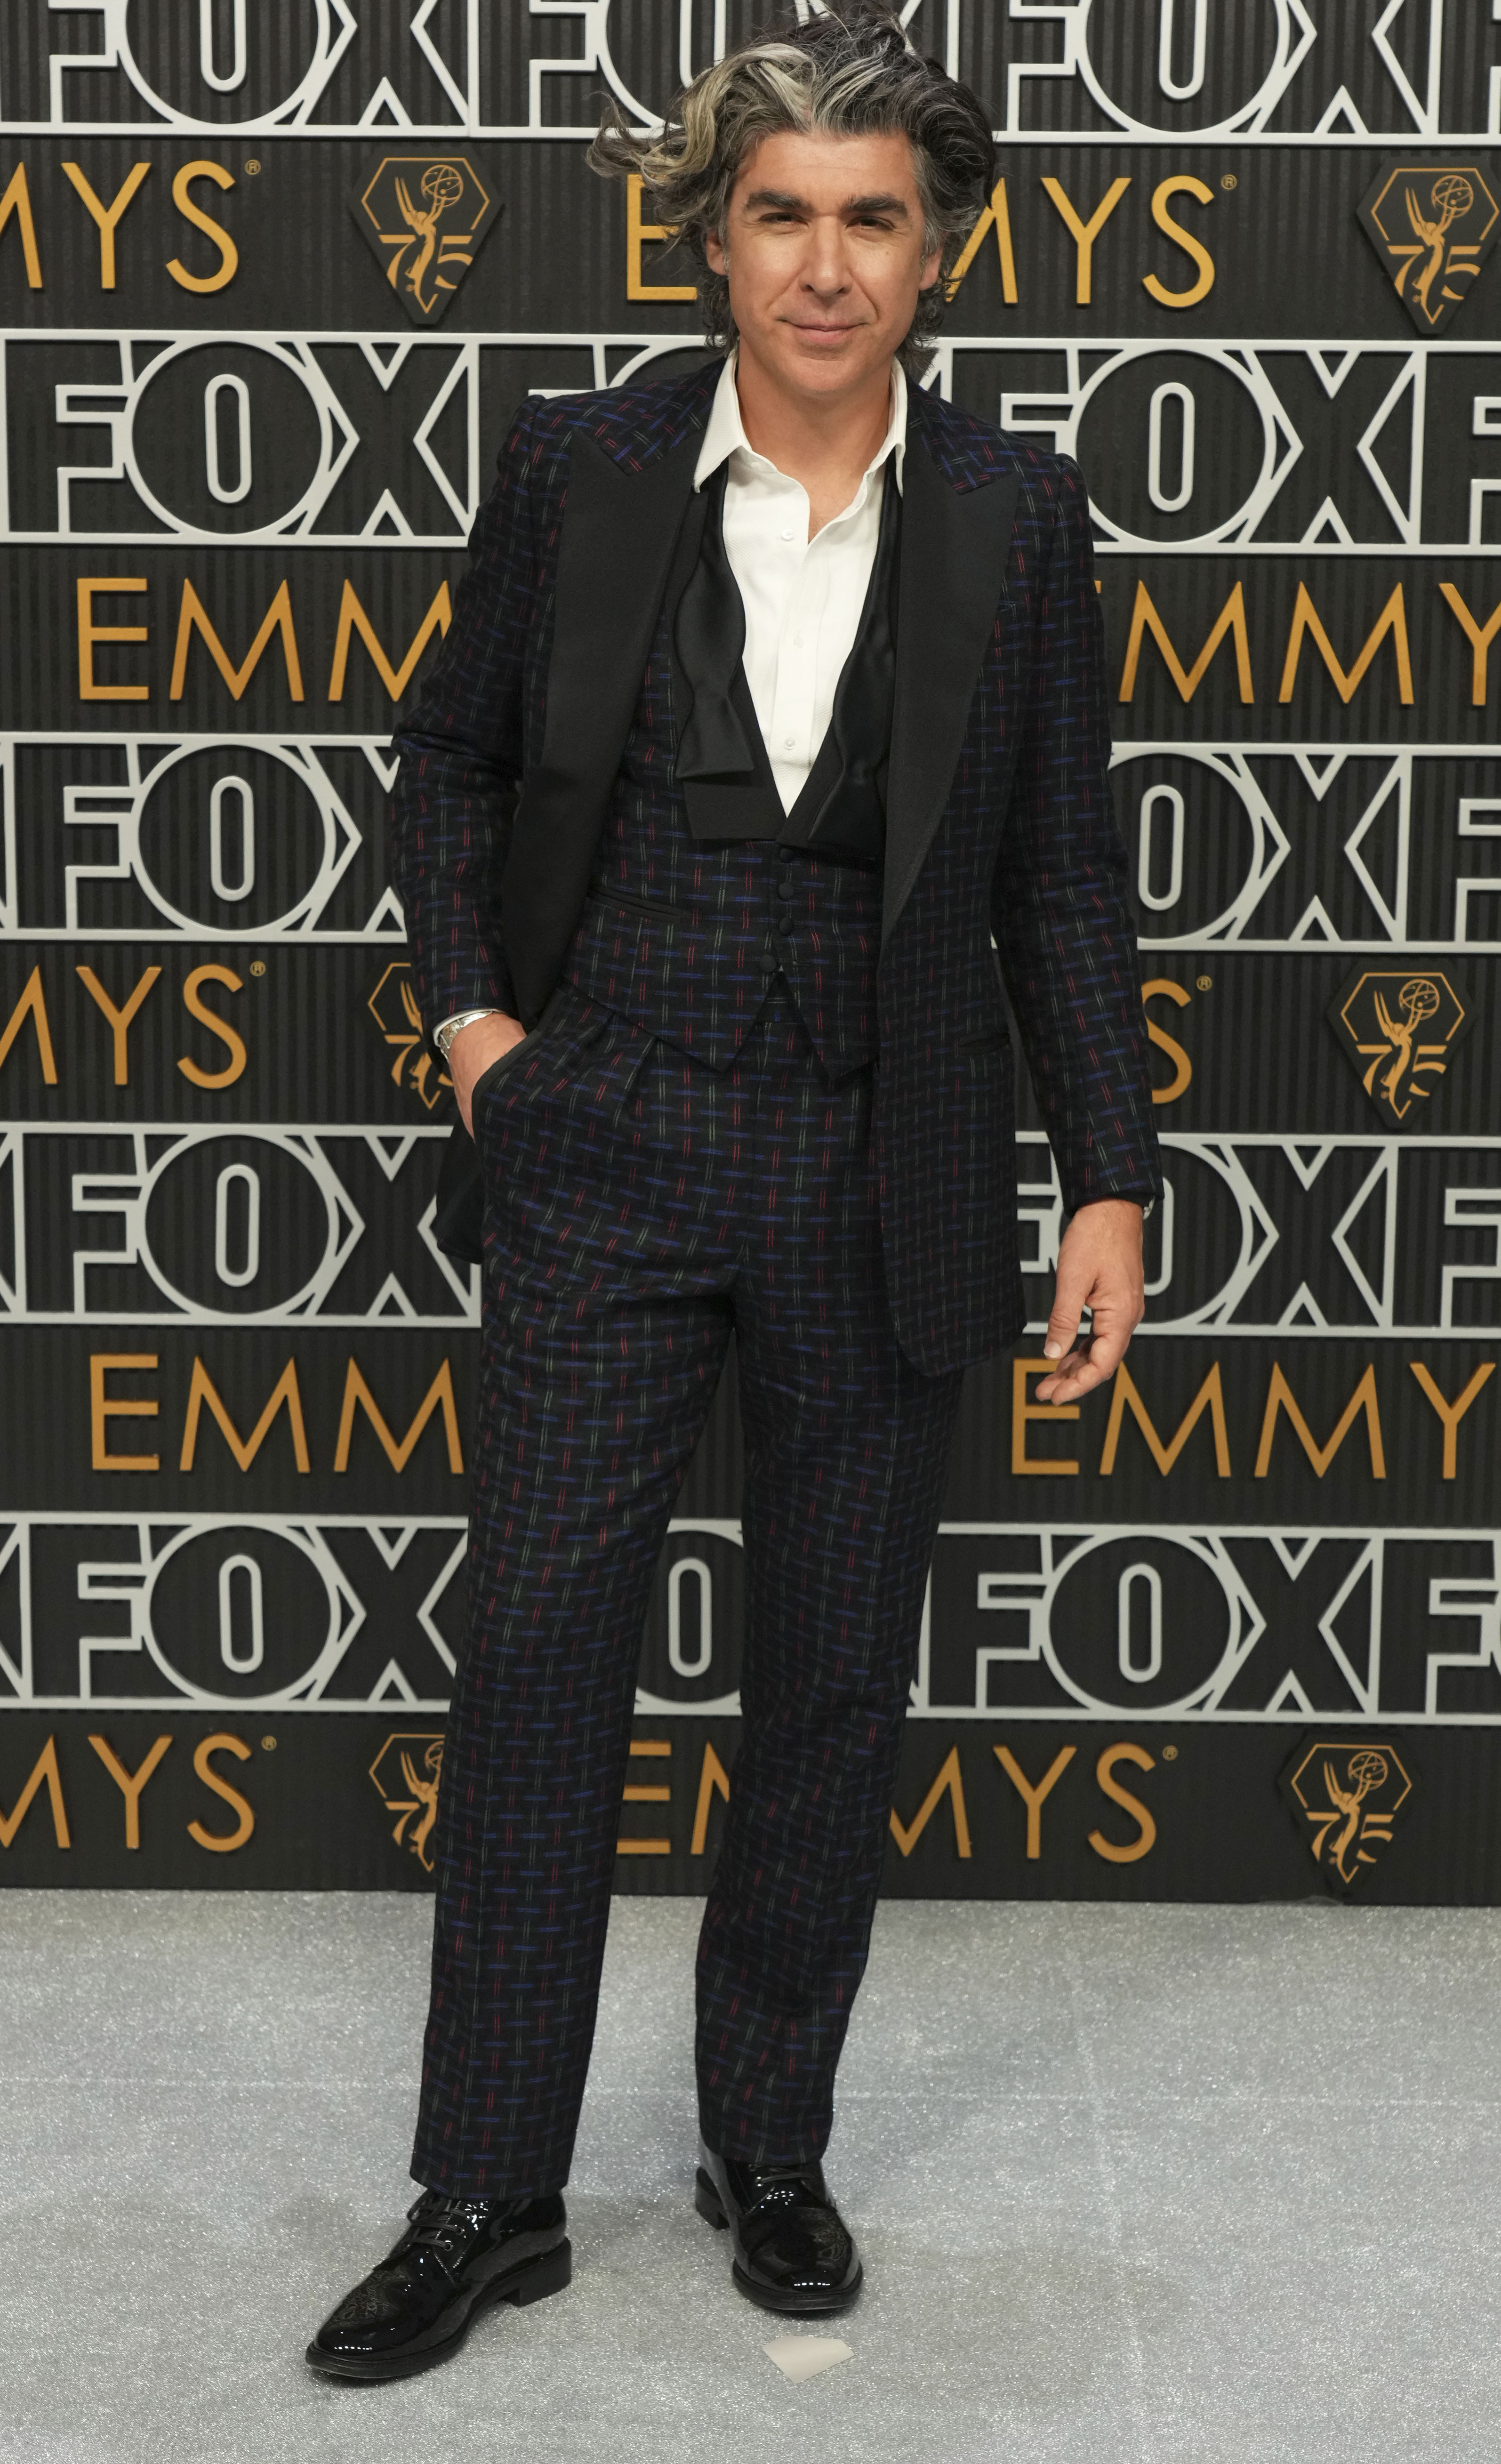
(792, 675)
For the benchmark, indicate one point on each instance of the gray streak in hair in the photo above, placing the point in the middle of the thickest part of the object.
(849, 72)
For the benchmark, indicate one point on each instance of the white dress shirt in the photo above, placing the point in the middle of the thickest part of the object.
(803, 596)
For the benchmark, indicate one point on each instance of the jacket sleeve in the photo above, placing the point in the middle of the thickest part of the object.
(460, 757)
(1062, 925)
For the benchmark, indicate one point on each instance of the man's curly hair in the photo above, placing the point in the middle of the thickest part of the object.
(849, 72)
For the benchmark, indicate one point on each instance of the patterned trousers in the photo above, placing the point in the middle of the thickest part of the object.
(640, 1208)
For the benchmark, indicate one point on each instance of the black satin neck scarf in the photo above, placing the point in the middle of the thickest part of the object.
(722, 766)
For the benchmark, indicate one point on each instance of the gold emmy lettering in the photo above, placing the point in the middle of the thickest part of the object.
(1105, 1775)
(1280, 1398)
(130, 1783)
(108, 218)
(439, 1398)
(234, 1044)
(352, 619)
(194, 618)
(222, 1843)
(1162, 988)
(1126, 1397)
(951, 1782)
(713, 1781)
(1392, 619)
(1480, 639)
(643, 1793)
(32, 1005)
(1451, 1413)
(1182, 184)
(636, 232)
(104, 1407)
(43, 1769)
(229, 253)
(996, 218)
(285, 1392)
(1230, 620)
(1023, 1411)
(1035, 1798)
(109, 586)
(18, 201)
(119, 1019)
(1085, 233)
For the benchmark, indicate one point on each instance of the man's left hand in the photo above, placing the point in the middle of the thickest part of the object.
(1099, 1268)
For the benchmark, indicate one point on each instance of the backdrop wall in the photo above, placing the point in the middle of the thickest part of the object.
(273, 278)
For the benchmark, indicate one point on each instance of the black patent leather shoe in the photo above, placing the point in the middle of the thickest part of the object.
(793, 2250)
(457, 2258)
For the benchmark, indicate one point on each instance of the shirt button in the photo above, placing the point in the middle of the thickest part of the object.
(787, 535)
(797, 641)
(788, 742)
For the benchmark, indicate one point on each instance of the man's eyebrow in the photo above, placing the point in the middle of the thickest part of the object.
(783, 201)
(878, 203)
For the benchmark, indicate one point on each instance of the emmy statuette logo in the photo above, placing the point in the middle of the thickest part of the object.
(424, 217)
(1345, 1798)
(1432, 224)
(406, 1772)
(1399, 1026)
(393, 1006)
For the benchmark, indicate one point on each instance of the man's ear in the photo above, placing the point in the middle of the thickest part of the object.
(929, 273)
(714, 255)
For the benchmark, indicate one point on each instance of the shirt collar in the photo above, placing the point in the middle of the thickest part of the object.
(725, 434)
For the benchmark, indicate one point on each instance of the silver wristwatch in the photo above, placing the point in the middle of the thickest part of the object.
(443, 1035)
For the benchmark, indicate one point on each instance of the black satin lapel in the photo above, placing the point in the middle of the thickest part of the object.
(619, 531)
(954, 553)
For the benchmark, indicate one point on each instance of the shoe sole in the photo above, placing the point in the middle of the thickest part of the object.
(797, 2305)
(533, 2282)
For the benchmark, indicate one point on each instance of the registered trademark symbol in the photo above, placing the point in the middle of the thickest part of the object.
(1228, 178)
(1205, 983)
(269, 1745)
(252, 166)
(1169, 1753)
(258, 967)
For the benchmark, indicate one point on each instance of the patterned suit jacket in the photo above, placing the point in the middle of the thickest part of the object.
(999, 815)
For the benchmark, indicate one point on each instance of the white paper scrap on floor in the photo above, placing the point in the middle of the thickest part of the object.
(803, 2357)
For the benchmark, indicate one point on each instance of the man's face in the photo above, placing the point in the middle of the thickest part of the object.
(823, 250)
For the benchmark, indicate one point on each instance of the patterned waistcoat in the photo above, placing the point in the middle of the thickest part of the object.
(687, 938)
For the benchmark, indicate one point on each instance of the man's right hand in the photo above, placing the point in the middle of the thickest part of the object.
(471, 1052)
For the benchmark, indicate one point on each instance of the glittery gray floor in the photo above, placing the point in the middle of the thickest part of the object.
(1131, 2185)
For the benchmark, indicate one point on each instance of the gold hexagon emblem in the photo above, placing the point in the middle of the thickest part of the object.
(1433, 225)
(393, 1005)
(1346, 1796)
(424, 217)
(1398, 1027)
(407, 1771)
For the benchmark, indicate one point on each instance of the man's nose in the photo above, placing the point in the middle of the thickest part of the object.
(826, 266)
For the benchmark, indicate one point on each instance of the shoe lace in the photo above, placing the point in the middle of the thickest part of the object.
(442, 2224)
